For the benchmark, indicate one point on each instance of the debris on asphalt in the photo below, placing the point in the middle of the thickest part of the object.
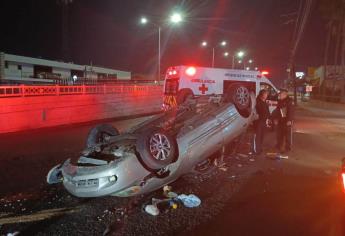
(190, 200)
(168, 193)
(12, 234)
(239, 165)
(152, 210)
(242, 155)
(252, 159)
(276, 156)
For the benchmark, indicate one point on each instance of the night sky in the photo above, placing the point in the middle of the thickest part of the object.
(107, 32)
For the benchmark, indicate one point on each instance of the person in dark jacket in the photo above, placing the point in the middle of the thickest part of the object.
(283, 119)
(263, 121)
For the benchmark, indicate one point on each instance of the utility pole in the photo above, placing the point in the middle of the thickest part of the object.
(301, 21)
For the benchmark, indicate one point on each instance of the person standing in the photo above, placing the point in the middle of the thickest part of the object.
(263, 121)
(283, 119)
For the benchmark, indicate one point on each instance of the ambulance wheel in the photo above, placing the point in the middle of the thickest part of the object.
(183, 95)
(240, 96)
(99, 134)
(156, 149)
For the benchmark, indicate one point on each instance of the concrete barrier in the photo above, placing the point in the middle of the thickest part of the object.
(23, 113)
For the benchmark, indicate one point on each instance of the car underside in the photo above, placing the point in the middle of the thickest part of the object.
(157, 151)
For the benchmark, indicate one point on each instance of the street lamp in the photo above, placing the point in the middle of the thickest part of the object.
(239, 54)
(221, 44)
(175, 18)
(143, 20)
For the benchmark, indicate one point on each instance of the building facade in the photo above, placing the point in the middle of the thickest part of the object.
(27, 70)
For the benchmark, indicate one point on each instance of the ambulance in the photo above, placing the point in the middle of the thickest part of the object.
(186, 81)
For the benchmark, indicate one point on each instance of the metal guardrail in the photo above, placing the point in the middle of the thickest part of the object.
(57, 90)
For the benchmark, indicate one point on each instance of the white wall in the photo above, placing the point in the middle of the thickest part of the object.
(12, 70)
(65, 73)
(27, 71)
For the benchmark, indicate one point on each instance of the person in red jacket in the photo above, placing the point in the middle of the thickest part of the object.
(283, 118)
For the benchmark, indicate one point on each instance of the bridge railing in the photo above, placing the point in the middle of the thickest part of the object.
(58, 90)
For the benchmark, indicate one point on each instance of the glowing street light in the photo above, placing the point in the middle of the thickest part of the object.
(239, 61)
(221, 44)
(176, 18)
(256, 68)
(240, 54)
(247, 68)
(143, 20)
(250, 61)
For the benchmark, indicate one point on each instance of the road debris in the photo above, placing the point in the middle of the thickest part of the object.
(242, 155)
(12, 234)
(190, 200)
(152, 210)
(276, 156)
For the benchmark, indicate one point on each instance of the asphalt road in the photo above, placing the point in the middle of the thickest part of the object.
(299, 196)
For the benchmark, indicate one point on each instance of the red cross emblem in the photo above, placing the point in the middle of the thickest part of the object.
(203, 89)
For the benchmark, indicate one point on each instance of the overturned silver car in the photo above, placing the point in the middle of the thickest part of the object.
(159, 150)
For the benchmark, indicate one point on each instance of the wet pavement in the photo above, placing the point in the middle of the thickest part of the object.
(298, 196)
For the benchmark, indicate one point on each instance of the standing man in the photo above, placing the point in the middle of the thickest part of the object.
(283, 119)
(263, 121)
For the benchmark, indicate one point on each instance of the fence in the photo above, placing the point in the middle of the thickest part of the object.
(58, 90)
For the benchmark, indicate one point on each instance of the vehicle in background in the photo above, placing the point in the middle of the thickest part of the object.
(182, 82)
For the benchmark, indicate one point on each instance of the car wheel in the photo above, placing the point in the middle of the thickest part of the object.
(99, 134)
(157, 149)
(183, 95)
(240, 96)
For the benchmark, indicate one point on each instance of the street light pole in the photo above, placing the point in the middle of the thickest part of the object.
(175, 19)
(233, 61)
(213, 55)
(159, 54)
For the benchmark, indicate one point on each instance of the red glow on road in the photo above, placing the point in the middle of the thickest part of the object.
(343, 176)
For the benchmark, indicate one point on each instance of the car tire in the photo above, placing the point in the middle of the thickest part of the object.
(98, 134)
(156, 149)
(240, 96)
(183, 95)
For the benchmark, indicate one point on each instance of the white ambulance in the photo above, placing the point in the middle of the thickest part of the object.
(183, 81)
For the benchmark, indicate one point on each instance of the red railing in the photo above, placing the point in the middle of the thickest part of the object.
(57, 90)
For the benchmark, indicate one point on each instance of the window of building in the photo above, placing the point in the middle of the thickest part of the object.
(19, 67)
(6, 64)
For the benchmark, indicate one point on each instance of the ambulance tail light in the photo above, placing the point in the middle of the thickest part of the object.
(172, 72)
(191, 71)
(265, 72)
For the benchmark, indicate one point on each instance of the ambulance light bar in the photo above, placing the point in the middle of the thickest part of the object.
(191, 71)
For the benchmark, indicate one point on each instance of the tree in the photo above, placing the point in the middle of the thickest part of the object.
(333, 11)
